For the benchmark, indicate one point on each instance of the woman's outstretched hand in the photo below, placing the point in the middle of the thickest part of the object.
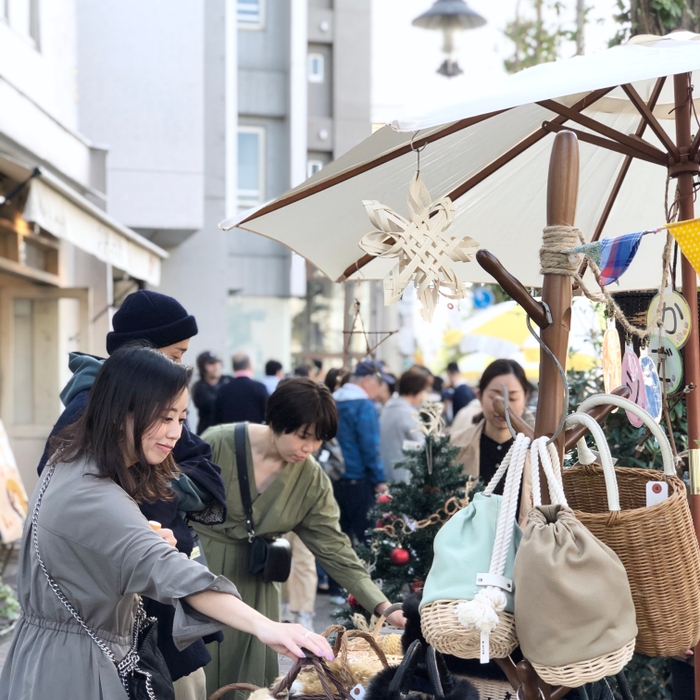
(289, 639)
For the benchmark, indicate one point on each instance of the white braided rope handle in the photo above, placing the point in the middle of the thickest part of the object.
(513, 463)
(548, 457)
(649, 422)
(587, 457)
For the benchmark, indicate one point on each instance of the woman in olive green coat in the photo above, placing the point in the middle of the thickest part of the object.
(289, 492)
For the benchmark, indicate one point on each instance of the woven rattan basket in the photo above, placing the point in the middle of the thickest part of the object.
(442, 630)
(656, 544)
(492, 689)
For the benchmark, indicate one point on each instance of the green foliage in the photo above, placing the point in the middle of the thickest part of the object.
(412, 502)
(9, 605)
(655, 17)
(649, 678)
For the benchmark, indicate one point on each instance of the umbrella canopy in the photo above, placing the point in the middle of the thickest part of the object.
(490, 154)
(501, 332)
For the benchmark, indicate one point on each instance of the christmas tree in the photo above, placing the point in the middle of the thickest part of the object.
(406, 520)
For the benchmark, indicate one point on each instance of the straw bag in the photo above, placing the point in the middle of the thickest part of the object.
(331, 686)
(573, 605)
(467, 605)
(657, 545)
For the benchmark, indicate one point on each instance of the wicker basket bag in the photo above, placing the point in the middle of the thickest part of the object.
(467, 606)
(573, 605)
(656, 544)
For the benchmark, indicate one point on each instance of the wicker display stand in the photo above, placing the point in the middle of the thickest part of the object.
(656, 544)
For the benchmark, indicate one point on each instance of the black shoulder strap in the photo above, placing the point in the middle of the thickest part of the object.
(243, 482)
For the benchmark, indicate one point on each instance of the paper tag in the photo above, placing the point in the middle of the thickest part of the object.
(484, 658)
(324, 456)
(411, 445)
(657, 491)
(357, 692)
(196, 552)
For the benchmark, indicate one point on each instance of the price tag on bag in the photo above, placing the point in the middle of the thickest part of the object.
(657, 491)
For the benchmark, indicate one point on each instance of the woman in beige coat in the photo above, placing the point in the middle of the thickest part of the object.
(484, 443)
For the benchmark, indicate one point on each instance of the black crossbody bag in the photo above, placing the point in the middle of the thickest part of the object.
(269, 558)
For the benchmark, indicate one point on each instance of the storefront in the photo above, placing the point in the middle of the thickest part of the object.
(64, 266)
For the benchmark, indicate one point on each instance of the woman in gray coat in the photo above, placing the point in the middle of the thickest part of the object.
(88, 535)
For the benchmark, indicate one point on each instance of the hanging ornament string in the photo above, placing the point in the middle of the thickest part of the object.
(557, 258)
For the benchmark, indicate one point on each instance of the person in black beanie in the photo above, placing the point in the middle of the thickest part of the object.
(200, 495)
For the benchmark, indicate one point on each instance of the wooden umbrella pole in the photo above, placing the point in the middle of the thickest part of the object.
(562, 195)
(684, 171)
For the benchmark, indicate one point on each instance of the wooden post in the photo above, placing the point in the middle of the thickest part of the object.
(562, 195)
(684, 172)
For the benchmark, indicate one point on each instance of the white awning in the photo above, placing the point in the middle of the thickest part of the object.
(64, 213)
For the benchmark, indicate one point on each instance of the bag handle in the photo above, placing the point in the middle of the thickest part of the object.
(325, 677)
(243, 483)
(587, 457)
(544, 453)
(647, 420)
(216, 695)
(376, 631)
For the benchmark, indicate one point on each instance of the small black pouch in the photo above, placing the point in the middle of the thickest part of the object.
(269, 558)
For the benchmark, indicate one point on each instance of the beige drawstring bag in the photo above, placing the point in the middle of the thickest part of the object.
(573, 606)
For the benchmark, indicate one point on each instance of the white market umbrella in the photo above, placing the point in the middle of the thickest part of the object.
(490, 154)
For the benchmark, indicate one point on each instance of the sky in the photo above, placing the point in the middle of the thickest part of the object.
(405, 58)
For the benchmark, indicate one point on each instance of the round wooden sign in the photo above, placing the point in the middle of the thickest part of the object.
(612, 361)
(633, 378)
(668, 362)
(675, 317)
(652, 385)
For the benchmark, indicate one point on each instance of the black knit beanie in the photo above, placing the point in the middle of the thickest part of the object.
(147, 315)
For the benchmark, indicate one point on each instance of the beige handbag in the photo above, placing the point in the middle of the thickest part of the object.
(573, 606)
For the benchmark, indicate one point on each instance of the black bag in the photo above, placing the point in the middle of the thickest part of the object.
(150, 678)
(269, 558)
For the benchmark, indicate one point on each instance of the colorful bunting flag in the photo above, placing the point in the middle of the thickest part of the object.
(612, 255)
(687, 234)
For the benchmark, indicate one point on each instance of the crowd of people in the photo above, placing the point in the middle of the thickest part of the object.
(133, 506)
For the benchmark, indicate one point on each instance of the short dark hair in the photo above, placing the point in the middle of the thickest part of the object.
(334, 376)
(301, 371)
(272, 367)
(135, 381)
(302, 403)
(453, 368)
(412, 382)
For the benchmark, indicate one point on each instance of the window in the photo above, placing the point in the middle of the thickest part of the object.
(251, 166)
(23, 16)
(313, 166)
(316, 67)
(250, 14)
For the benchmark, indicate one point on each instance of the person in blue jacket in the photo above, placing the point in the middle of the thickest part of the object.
(358, 436)
(200, 495)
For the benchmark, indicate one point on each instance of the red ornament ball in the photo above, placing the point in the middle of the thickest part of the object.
(353, 602)
(384, 498)
(399, 556)
(379, 524)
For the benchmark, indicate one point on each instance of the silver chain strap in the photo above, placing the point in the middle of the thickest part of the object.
(129, 664)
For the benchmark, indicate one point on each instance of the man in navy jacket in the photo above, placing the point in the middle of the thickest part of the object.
(163, 322)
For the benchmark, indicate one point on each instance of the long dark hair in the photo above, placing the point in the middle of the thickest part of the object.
(137, 383)
(498, 368)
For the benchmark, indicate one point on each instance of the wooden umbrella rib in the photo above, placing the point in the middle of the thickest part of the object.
(607, 131)
(624, 168)
(491, 168)
(661, 159)
(651, 120)
(366, 166)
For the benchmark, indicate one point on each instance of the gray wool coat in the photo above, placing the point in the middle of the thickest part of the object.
(102, 552)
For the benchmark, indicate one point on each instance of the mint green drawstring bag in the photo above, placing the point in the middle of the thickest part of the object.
(463, 549)
(467, 605)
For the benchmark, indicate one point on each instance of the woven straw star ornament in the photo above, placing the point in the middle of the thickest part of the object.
(422, 250)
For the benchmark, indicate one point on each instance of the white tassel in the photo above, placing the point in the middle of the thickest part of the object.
(482, 613)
